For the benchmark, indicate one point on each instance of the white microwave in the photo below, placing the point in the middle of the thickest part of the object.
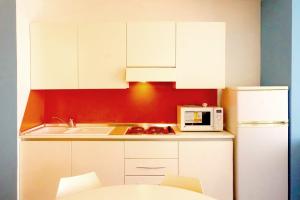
(198, 118)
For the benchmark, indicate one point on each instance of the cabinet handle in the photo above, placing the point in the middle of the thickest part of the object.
(150, 167)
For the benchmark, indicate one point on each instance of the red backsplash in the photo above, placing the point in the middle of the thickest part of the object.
(141, 102)
(34, 113)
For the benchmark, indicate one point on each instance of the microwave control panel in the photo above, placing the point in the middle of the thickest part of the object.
(218, 119)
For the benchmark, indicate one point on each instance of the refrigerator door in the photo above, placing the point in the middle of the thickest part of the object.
(261, 157)
(262, 106)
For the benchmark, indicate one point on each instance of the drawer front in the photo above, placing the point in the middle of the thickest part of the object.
(152, 180)
(151, 149)
(151, 166)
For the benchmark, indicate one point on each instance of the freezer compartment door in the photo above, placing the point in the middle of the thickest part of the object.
(261, 163)
(262, 106)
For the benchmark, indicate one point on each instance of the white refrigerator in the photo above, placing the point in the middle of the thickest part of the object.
(258, 117)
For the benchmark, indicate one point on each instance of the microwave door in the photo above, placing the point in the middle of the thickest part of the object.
(193, 118)
(207, 117)
(198, 120)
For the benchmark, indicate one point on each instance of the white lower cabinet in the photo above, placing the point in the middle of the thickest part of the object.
(151, 149)
(106, 158)
(212, 162)
(42, 164)
(146, 162)
(148, 167)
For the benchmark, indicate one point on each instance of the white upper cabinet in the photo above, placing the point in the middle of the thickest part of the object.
(151, 44)
(95, 56)
(102, 56)
(53, 56)
(200, 55)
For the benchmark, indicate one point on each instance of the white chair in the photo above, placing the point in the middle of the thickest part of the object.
(187, 183)
(75, 184)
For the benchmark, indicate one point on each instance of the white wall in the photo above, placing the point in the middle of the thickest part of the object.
(23, 67)
(242, 17)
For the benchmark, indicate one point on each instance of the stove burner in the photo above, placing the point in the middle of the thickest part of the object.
(153, 130)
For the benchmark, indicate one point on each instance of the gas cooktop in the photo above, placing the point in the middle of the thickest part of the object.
(152, 130)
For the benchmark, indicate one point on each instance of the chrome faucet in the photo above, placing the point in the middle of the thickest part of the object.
(70, 123)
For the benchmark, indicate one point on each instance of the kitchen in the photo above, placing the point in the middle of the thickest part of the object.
(138, 105)
(104, 84)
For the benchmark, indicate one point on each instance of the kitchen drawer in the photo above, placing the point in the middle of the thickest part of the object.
(151, 149)
(152, 180)
(151, 166)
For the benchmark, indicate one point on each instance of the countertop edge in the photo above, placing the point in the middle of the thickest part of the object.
(178, 136)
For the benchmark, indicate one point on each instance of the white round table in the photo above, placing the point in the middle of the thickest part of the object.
(138, 192)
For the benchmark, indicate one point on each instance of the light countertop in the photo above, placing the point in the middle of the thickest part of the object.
(118, 133)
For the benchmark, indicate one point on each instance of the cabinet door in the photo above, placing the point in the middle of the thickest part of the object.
(151, 149)
(200, 55)
(212, 163)
(106, 158)
(151, 44)
(102, 55)
(53, 56)
(151, 167)
(42, 164)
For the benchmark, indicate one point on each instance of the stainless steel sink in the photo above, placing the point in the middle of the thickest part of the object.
(50, 130)
(105, 130)
(90, 130)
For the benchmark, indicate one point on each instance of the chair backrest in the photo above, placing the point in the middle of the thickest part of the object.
(187, 183)
(72, 185)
